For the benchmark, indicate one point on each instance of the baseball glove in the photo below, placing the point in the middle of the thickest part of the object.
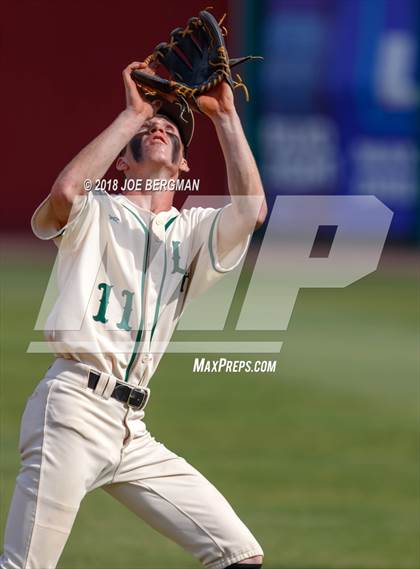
(195, 60)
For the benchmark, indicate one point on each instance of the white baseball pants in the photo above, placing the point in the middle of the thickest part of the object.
(74, 440)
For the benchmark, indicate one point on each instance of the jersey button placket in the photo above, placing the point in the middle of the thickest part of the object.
(158, 229)
(155, 273)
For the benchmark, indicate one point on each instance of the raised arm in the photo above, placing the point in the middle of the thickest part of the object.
(94, 160)
(248, 208)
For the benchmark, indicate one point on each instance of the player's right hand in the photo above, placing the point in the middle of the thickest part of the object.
(133, 97)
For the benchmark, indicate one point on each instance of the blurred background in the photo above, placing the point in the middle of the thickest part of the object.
(320, 459)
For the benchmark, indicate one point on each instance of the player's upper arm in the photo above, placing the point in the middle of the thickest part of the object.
(207, 263)
(238, 221)
(61, 202)
(46, 225)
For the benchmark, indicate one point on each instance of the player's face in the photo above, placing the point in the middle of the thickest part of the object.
(158, 140)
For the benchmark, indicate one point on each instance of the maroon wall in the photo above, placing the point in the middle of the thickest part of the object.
(61, 70)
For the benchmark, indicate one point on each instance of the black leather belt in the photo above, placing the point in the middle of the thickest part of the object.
(135, 397)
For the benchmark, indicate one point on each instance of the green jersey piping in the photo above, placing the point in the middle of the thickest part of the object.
(143, 275)
(212, 258)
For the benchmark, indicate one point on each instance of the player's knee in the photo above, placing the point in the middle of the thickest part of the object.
(250, 563)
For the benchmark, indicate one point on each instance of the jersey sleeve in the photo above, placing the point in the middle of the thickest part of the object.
(207, 266)
(45, 227)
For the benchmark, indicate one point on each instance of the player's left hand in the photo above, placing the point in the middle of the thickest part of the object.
(218, 101)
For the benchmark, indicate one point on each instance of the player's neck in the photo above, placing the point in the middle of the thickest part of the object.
(154, 201)
(153, 170)
(151, 197)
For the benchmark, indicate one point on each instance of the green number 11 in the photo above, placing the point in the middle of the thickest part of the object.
(103, 306)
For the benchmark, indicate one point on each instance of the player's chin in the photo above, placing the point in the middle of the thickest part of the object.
(159, 157)
(157, 151)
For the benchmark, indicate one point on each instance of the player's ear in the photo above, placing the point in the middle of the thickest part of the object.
(121, 164)
(183, 167)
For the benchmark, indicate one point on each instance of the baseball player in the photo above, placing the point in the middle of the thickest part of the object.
(128, 264)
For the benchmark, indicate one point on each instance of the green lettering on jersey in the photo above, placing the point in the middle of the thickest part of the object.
(103, 305)
(128, 308)
(176, 257)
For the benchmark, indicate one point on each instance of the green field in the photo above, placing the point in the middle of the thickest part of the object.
(320, 459)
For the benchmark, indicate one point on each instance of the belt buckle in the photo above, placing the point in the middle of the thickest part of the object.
(145, 396)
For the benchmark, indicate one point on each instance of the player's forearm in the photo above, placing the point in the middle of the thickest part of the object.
(94, 160)
(243, 177)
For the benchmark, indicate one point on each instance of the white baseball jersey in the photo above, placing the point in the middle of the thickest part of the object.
(124, 278)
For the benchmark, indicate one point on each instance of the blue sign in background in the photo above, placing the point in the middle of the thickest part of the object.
(338, 101)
